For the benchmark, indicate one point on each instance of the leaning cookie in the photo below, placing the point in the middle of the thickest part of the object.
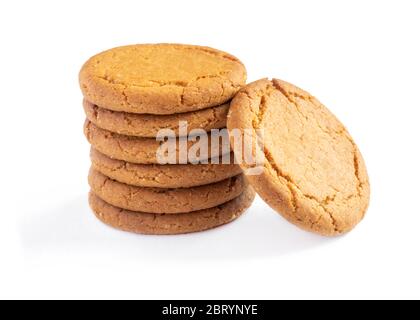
(148, 125)
(313, 172)
(165, 201)
(145, 150)
(158, 224)
(163, 176)
(161, 78)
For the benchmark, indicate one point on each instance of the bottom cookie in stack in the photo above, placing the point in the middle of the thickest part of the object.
(171, 224)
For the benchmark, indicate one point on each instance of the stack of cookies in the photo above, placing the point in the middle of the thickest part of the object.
(133, 95)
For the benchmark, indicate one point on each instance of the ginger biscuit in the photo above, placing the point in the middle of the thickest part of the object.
(160, 224)
(165, 201)
(163, 176)
(314, 173)
(161, 78)
(144, 150)
(148, 125)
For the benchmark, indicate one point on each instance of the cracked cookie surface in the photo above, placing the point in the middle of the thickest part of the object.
(314, 173)
(161, 78)
(165, 201)
(144, 150)
(154, 224)
(148, 126)
(163, 176)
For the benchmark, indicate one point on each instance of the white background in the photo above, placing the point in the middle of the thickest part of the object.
(361, 58)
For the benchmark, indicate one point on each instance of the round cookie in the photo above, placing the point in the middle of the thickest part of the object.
(157, 224)
(163, 176)
(161, 78)
(314, 174)
(165, 201)
(148, 125)
(141, 150)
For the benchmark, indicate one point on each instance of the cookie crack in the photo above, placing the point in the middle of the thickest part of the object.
(330, 133)
(180, 84)
(158, 83)
(125, 166)
(360, 185)
(109, 168)
(125, 96)
(212, 53)
(261, 112)
(95, 112)
(291, 185)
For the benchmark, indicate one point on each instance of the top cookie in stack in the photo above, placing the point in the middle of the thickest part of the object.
(161, 79)
(133, 92)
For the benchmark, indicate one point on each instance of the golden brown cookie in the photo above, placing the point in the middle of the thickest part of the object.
(168, 201)
(160, 224)
(161, 78)
(163, 176)
(148, 126)
(313, 173)
(140, 150)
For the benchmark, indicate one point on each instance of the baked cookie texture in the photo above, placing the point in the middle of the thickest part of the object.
(163, 176)
(138, 150)
(165, 201)
(314, 173)
(161, 78)
(148, 126)
(160, 224)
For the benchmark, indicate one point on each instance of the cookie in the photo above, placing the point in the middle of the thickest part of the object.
(159, 224)
(148, 126)
(161, 78)
(165, 201)
(314, 174)
(163, 176)
(143, 150)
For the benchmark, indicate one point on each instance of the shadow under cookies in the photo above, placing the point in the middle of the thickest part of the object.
(72, 229)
